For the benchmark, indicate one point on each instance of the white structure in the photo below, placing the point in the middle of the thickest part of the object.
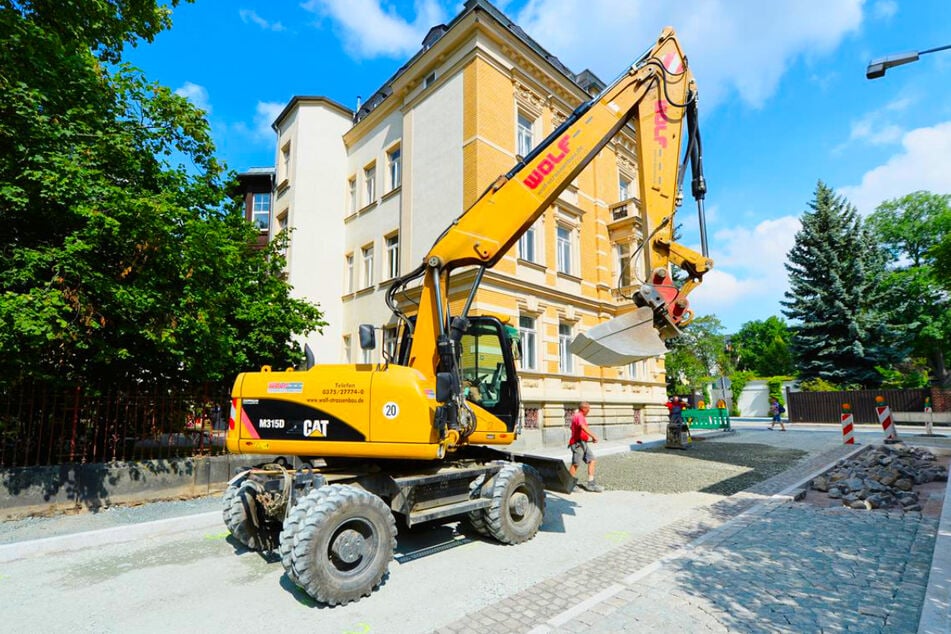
(311, 162)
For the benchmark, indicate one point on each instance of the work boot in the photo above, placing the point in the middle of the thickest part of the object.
(593, 487)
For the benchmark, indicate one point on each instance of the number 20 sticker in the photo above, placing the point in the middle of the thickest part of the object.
(391, 410)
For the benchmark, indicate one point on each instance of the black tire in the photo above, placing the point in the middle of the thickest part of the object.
(477, 519)
(226, 500)
(518, 504)
(344, 546)
(292, 524)
(236, 516)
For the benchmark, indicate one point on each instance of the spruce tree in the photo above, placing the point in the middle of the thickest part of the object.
(835, 276)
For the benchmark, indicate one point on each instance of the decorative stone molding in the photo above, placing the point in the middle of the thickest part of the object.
(568, 313)
(529, 98)
(529, 304)
(625, 165)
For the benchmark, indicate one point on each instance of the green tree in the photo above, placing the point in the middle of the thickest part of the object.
(118, 261)
(942, 260)
(697, 355)
(762, 347)
(836, 269)
(911, 229)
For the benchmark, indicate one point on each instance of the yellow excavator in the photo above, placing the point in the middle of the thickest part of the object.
(358, 447)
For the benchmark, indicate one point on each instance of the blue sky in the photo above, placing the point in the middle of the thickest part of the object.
(784, 98)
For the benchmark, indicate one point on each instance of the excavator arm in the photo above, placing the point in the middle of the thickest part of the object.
(657, 95)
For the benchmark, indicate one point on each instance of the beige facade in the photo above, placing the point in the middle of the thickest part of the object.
(420, 153)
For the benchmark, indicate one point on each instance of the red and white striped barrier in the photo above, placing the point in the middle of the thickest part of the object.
(885, 418)
(847, 420)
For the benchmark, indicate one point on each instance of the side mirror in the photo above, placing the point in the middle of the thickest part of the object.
(367, 337)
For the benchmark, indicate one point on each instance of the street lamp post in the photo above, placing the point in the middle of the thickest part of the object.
(877, 67)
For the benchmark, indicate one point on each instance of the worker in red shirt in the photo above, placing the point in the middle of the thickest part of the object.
(581, 437)
(675, 407)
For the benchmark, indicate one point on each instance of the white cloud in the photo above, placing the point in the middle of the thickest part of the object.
(760, 250)
(265, 114)
(734, 46)
(748, 277)
(368, 30)
(875, 127)
(259, 131)
(884, 9)
(721, 290)
(251, 17)
(921, 165)
(196, 94)
(871, 129)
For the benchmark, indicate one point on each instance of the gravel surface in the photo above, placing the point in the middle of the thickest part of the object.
(707, 466)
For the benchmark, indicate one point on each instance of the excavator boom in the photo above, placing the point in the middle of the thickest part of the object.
(657, 95)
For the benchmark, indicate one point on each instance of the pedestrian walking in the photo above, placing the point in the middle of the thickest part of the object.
(579, 443)
(776, 410)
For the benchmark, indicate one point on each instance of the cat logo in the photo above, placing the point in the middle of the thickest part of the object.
(318, 426)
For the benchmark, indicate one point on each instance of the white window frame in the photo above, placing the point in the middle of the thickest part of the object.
(564, 247)
(527, 245)
(623, 187)
(393, 255)
(349, 273)
(622, 258)
(524, 133)
(352, 195)
(284, 175)
(389, 342)
(638, 370)
(394, 161)
(529, 336)
(368, 277)
(369, 183)
(347, 349)
(261, 210)
(565, 362)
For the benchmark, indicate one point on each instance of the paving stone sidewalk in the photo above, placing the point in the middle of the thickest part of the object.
(748, 563)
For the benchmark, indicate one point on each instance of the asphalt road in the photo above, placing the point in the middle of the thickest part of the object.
(198, 578)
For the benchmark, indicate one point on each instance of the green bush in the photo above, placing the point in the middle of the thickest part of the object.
(738, 381)
(818, 384)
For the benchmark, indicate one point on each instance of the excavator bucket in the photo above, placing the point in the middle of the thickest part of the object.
(620, 341)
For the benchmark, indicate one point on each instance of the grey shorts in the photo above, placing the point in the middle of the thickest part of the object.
(581, 452)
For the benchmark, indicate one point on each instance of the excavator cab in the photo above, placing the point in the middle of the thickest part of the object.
(487, 363)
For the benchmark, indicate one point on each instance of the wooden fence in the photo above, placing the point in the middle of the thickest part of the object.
(826, 407)
(42, 424)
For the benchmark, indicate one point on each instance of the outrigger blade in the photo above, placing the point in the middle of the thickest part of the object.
(620, 341)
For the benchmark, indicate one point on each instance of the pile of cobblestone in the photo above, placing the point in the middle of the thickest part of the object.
(882, 478)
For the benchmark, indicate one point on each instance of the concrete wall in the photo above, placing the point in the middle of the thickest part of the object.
(754, 400)
(34, 490)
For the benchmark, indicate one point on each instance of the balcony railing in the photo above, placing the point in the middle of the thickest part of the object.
(624, 209)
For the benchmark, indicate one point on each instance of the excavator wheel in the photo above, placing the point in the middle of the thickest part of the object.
(236, 515)
(226, 500)
(344, 545)
(518, 504)
(292, 525)
(477, 518)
